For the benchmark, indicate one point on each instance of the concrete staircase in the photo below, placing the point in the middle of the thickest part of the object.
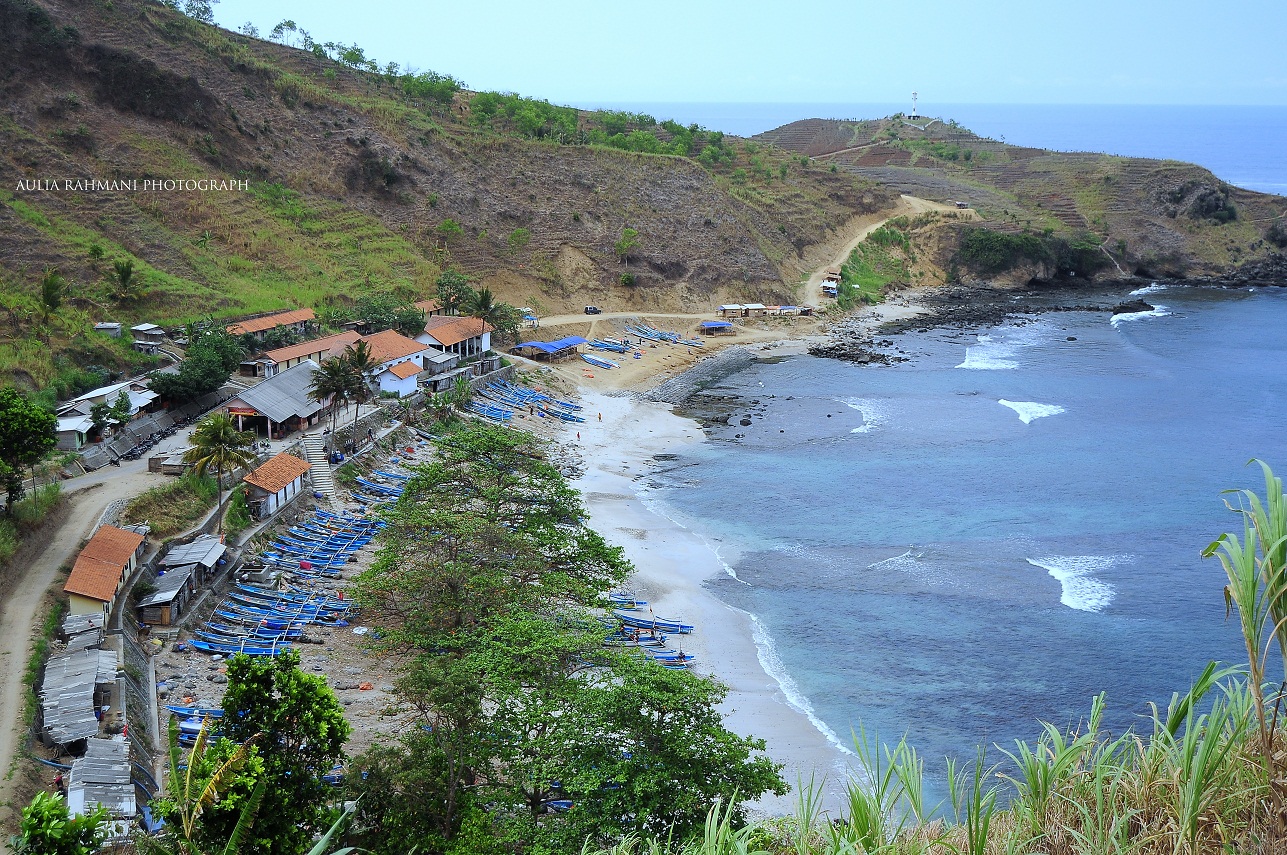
(320, 472)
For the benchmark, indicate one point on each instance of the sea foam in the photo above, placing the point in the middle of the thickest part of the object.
(989, 355)
(874, 413)
(905, 562)
(1080, 589)
(1029, 410)
(767, 653)
(1157, 312)
(1150, 289)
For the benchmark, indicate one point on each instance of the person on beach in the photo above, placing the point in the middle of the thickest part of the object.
(600, 416)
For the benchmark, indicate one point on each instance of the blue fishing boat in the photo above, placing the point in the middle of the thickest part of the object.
(651, 622)
(199, 712)
(271, 649)
(599, 361)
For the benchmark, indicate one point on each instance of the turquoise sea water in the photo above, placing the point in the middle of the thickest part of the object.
(1242, 145)
(1002, 527)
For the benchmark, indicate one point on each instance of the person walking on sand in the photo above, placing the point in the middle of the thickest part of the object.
(600, 416)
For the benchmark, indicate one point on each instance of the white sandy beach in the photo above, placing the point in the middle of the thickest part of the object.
(672, 562)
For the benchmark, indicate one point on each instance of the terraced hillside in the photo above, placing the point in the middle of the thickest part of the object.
(1154, 217)
(350, 184)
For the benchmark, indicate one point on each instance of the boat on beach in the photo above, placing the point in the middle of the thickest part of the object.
(598, 361)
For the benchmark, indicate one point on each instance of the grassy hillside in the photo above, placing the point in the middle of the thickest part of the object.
(1153, 217)
(355, 181)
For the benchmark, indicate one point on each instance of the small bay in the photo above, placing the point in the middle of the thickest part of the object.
(993, 532)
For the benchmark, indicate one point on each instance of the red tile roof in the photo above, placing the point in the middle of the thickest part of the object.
(269, 321)
(101, 564)
(331, 346)
(403, 370)
(279, 471)
(427, 305)
(448, 330)
(389, 345)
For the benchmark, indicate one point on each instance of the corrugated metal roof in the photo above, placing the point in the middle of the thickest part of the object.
(168, 586)
(286, 395)
(206, 549)
(67, 693)
(102, 777)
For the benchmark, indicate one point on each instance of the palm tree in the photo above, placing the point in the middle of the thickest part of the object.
(126, 286)
(483, 305)
(334, 380)
(218, 445)
(362, 365)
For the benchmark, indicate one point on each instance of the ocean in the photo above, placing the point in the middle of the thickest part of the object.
(1242, 145)
(993, 532)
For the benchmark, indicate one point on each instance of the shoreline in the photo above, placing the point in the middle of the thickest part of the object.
(672, 563)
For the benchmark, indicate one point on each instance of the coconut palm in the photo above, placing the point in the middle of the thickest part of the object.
(218, 445)
(483, 306)
(362, 365)
(333, 380)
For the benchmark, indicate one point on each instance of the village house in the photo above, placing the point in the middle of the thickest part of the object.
(280, 404)
(465, 337)
(280, 359)
(274, 484)
(296, 321)
(101, 568)
(181, 574)
(390, 349)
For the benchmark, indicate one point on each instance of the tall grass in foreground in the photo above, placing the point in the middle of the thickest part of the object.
(1207, 774)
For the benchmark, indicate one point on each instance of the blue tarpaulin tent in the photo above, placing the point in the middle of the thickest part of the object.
(552, 348)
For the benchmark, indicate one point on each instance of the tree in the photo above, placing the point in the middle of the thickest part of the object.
(125, 286)
(283, 32)
(218, 445)
(100, 415)
(47, 828)
(449, 229)
(485, 308)
(212, 355)
(26, 436)
(215, 774)
(453, 290)
(629, 241)
(484, 583)
(334, 381)
(52, 289)
(518, 239)
(304, 732)
(121, 409)
(362, 366)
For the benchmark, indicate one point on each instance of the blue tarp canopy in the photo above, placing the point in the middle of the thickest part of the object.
(554, 346)
(714, 325)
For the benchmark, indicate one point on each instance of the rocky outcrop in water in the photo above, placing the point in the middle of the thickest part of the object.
(1130, 307)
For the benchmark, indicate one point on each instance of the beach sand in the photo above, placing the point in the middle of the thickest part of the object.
(672, 563)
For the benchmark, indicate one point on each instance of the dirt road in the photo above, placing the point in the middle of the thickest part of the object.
(87, 499)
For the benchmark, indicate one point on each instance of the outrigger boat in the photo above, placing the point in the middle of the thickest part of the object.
(599, 361)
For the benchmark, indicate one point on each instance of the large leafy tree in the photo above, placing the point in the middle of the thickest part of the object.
(218, 445)
(453, 290)
(487, 309)
(212, 355)
(26, 436)
(303, 735)
(484, 583)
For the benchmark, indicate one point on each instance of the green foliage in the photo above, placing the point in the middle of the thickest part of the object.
(26, 436)
(502, 316)
(628, 241)
(173, 507)
(47, 828)
(218, 445)
(986, 252)
(438, 89)
(449, 229)
(882, 258)
(212, 355)
(237, 519)
(388, 310)
(121, 409)
(53, 287)
(453, 290)
(483, 583)
(303, 734)
(627, 279)
(518, 239)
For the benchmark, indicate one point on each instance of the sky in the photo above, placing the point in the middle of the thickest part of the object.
(595, 53)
